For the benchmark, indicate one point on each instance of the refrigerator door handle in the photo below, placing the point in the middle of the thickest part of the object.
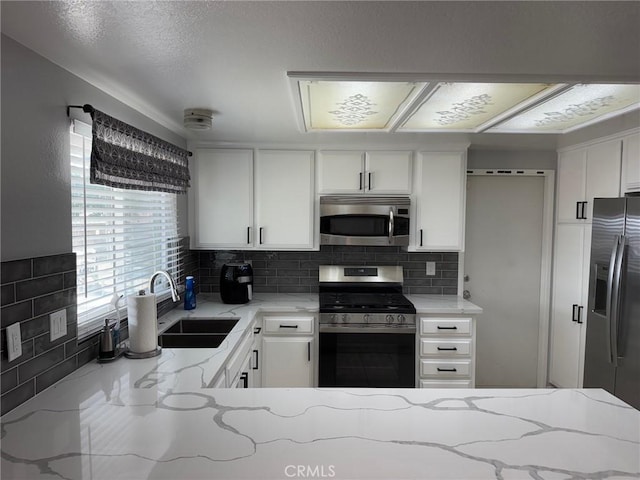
(610, 279)
(615, 300)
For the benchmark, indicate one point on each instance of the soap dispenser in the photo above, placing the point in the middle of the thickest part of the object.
(189, 294)
(107, 349)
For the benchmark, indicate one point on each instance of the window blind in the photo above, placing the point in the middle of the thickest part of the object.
(120, 237)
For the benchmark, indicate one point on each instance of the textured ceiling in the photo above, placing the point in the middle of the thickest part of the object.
(232, 57)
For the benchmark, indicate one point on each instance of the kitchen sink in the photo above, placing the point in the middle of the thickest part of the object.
(197, 333)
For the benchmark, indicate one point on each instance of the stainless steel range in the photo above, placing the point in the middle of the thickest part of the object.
(367, 328)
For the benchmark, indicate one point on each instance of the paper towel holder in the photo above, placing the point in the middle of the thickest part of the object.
(138, 355)
(152, 353)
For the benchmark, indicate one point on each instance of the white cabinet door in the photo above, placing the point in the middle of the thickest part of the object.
(346, 172)
(222, 198)
(603, 173)
(567, 305)
(340, 172)
(631, 164)
(585, 174)
(287, 361)
(388, 172)
(284, 199)
(572, 177)
(440, 201)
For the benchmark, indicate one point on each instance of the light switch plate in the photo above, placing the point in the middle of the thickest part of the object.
(58, 324)
(431, 268)
(14, 341)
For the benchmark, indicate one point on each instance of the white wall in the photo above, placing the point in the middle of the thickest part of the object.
(35, 194)
(511, 159)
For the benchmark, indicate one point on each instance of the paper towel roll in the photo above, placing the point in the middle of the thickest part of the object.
(143, 323)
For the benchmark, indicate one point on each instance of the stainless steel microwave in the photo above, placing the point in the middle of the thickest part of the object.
(364, 220)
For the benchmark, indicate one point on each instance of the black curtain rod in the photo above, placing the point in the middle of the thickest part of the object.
(86, 108)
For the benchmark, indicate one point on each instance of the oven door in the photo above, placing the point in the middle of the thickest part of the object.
(370, 358)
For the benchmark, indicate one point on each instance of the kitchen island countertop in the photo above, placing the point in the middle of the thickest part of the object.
(156, 418)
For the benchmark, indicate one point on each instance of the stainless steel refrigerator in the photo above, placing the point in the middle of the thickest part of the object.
(612, 352)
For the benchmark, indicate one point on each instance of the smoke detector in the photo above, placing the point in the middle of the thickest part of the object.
(198, 118)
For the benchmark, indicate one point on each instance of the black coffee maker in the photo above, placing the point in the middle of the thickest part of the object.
(236, 283)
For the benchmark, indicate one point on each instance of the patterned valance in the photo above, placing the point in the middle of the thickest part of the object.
(124, 157)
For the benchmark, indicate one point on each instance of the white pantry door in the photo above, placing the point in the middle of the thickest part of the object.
(503, 253)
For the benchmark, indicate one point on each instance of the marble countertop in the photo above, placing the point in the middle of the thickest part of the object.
(443, 304)
(98, 425)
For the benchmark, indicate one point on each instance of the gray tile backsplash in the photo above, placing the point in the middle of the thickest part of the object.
(31, 289)
(297, 272)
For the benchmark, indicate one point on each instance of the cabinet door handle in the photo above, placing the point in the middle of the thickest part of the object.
(447, 369)
(448, 349)
(447, 328)
(257, 330)
(248, 234)
(245, 379)
(257, 359)
(370, 176)
(288, 326)
(308, 351)
(583, 214)
(573, 312)
(579, 320)
(578, 210)
(421, 237)
(360, 186)
(260, 235)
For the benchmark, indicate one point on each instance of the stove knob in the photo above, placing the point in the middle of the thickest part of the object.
(389, 319)
(345, 318)
(334, 318)
(401, 319)
(366, 318)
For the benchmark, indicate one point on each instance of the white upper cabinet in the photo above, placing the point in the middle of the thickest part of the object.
(630, 164)
(584, 174)
(225, 213)
(440, 185)
(375, 172)
(284, 199)
(221, 198)
(388, 172)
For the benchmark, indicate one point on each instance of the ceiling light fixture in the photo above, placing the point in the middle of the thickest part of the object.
(198, 118)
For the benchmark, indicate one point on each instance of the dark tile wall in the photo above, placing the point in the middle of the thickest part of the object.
(297, 272)
(30, 290)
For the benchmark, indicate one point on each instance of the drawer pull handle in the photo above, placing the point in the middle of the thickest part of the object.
(288, 326)
(447, 328)
(448, 349)
(447, 369)
(257, 330)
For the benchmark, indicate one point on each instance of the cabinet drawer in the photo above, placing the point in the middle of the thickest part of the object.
(445, 326)
(445, 384)
(445, 368)
(288, 325)
(449, 348)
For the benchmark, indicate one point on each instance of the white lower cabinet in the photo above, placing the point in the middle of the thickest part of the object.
(446, 351)
(238, 369)
(288, 351)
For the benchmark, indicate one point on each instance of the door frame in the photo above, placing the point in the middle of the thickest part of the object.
(545, 262)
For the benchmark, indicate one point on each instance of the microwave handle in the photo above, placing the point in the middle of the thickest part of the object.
(391, 227)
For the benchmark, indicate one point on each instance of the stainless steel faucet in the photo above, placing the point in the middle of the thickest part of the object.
(172, 284)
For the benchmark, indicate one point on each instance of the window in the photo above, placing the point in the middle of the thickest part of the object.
(120, 237)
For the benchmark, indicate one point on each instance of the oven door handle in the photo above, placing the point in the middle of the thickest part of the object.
(391, 227)
(368, 329)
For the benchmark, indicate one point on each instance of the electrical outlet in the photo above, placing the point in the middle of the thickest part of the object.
(14, 341)
(58, 324)
(431, 268)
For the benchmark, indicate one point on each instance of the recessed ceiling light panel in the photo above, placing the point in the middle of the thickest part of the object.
(575, 108)
(355, 105)
(465, 107)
